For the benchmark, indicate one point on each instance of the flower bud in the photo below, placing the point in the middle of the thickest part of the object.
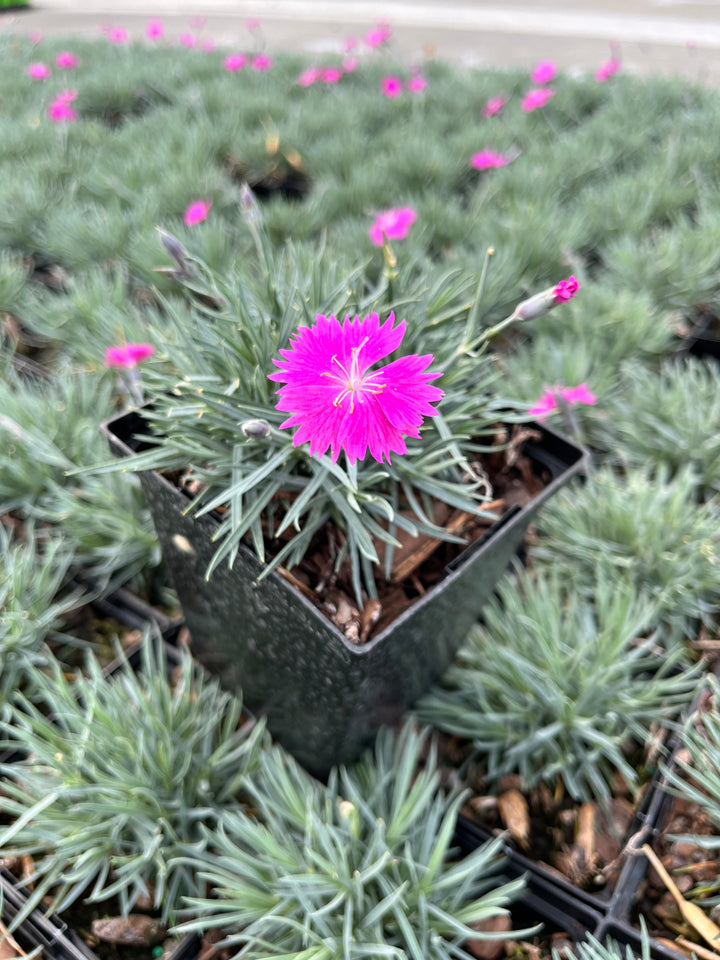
(255, 429)
(542, 303)
(249, 205)
(173, 248)
(351, 816)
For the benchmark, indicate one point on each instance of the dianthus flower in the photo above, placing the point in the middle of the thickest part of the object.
(534, 99)
(335, 399)
(261, 62)
(392, 225)
(196, 212)
(60, 110)
(488, 159)
(493, 106)
(416, 83)
(607, 69)
(118, 35)
(544, 72)
(154, 29)
(391, 87)
(554, 397)
(38, 71)
(378, 35)
(234, 62)
(566, 290)
(128, 355)
(309, 76)
(331, 75)
(66, 60)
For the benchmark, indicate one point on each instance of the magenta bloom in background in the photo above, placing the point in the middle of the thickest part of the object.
(60, 110)
(309, 76)
(38, 71)
(331, 75)
(534, 99)
(154, 29)
(66, 60)
(196, 212)
(335, 399)
(261, 62)
(392, 225)
(607, 69)
(36, 37)
(553, 399)
(391, 87)
(544, 72)
(234, 62)
(488, 159)
(566, 290)
(188, 40)
(349, 64)
(207, 45)
(493, 106)
(378, 35)
(128, 355)
(416, 83)
(118, 35)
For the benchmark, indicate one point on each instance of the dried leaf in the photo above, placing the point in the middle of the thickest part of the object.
(695, 915)
(135, 930)
(515, 815)
(489, 949)
(585, 832)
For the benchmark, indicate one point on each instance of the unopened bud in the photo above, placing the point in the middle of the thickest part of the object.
(249, 205)
(255, 429)
(350, 814)
(173, 248)
(536, 306)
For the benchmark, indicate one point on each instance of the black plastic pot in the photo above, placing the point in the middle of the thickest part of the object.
(323, 696)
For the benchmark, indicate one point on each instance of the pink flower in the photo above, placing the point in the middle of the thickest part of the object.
(66, 60)
(261, 62)
(234, 62)
(488, 159)
(207, 45)
(188, 40)
(391, 87)
(38, 71)
(349, 44)
(60, 110)
(554, 398)
(377, 36)
(493, 106)
(392, 225)
(252, 23)
(336, 401)
(331, 75)
(36, 37)
(579, 394)
(118, 35)
(607, 69)
(196, 212)
(128, 355)
(544, 72)
(198, 23)
(154, 29)
(566, 290)
(534, 99)
(349, 64)
(546, 405)
(416, 83)
(309, 76)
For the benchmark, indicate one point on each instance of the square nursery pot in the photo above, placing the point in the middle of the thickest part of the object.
(325, 697)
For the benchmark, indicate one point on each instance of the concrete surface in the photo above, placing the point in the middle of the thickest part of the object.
(652, 36)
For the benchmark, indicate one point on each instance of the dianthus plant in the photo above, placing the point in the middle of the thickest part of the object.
(362, 867)
(120, 776)
(270, 392)
(557, 687)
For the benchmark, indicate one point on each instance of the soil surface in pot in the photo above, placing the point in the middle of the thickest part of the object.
(421, 562)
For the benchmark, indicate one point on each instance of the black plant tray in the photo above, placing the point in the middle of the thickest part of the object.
(559, 905)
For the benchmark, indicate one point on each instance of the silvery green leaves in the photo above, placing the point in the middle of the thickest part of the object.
(121, 776)
(554, 685)
(361, 868)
